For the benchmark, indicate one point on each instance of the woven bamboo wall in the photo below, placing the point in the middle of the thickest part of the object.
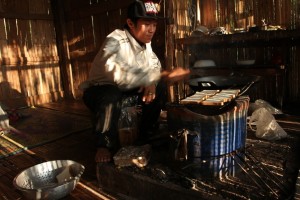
(30, 69)
(242, 14)
(29, 72)
(87, 26)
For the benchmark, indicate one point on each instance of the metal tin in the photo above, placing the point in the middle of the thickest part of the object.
(194, 145)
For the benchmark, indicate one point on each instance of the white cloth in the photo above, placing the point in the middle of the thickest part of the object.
(124, 62)
(4, 121)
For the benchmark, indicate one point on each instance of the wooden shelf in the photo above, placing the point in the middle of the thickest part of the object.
(270, 76)
(254, 70)
(271, 86)
(246, 39)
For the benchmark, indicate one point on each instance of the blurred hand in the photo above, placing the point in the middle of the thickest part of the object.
(175, 75)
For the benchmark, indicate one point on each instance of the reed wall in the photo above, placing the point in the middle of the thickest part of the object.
(30, 72)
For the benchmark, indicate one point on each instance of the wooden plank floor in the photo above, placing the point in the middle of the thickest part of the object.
(78, 146)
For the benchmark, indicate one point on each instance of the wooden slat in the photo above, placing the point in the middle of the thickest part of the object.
(39, 6)
(263, 38)
(25, 9)
(82, 10)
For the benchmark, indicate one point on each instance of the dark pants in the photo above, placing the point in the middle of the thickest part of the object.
(105, 103)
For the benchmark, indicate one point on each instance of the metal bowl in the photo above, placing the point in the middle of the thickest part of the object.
(49, 180)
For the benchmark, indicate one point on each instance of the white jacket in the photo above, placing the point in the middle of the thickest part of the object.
(124, 62)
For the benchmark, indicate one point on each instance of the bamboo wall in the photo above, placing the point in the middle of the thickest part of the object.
(30, 71)
(44, 57)
(87, 25)
(233, 14)
(242, 14)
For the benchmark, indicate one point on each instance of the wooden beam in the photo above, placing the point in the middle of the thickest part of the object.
(63, 48)
(26, 16)
(260, 38)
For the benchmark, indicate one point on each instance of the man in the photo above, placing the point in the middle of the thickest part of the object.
(126, 65)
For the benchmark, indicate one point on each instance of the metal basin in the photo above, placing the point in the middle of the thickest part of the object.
(49, 180)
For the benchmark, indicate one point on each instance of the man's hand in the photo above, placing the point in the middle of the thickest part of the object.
(149, 93)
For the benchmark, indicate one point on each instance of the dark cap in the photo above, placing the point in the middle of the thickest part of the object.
(140, 9)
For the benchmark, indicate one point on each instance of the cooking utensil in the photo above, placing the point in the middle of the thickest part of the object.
(221, 82)
(49, 180)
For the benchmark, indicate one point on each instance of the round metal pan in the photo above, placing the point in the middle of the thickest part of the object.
(222, 82)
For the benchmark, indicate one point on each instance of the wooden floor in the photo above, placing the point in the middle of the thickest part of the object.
(78, 146)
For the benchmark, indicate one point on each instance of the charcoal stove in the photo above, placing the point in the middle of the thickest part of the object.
(214, 138)
(218, 134)
(231, 165)
(216, 115)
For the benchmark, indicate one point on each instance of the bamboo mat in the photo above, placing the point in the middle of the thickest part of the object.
(40, 126)
(8, 148)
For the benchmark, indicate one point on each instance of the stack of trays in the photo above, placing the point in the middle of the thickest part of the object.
(211, 97)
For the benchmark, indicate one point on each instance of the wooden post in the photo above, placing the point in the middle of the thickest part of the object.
(63, 48)
(170, 46)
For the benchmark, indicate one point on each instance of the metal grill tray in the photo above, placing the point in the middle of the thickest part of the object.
(222, 82)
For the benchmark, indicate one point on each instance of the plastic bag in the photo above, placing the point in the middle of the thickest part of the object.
(128, 123)
(259, 103)
(266, 125)
(132, 155)
(4, 121)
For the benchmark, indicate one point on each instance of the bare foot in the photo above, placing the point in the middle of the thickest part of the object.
(103, 155)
